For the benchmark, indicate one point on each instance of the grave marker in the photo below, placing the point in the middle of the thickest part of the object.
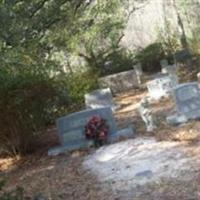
(71, 129)
(99, 98)
(120, 82)
(138, 71)
(160, 86)
(164, 63)
(187, 97)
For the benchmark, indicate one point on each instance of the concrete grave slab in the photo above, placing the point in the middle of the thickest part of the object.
(126, 165)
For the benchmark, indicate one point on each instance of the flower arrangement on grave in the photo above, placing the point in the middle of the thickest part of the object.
(97, 129)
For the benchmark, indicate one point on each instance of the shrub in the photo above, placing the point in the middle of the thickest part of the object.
(194, 45)
(150, 57)
(29, 102)
(78, 84)
(118, 61)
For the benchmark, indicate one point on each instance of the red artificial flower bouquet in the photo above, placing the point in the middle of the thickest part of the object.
(97, 129)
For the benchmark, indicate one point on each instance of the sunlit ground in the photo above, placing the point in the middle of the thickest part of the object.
(143, 160)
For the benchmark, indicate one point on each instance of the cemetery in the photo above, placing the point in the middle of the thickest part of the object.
(100, 100)
(149, 139)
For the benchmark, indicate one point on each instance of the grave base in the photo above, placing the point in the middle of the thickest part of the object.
(124, 134)
(175, 120)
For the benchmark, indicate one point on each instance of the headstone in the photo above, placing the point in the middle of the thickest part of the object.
(172, 71)
(198, 76)
(99, 98)
(71, 129)
(187, 97)
(138, 71)
(120, 82)
(182, 55)
(160, 87)
(164, 63)
(146, 115)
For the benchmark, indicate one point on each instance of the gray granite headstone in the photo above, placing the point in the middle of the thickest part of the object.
(172, 71)
(187, 97)
(71, 129)
(99, 98)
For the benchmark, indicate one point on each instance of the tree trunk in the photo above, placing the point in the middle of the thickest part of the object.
(184, 42)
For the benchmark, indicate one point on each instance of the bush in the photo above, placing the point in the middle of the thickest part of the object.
(150, 57)
(194, 45)
(29, 102)
(78, 84)
(118, 61)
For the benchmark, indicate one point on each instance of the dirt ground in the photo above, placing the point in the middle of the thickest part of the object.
(62, 177)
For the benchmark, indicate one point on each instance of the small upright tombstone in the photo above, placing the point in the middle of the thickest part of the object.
(99, 98)
(138, 71)
(187, 97)
(120, 82)
(171, 70)
(160, 86)
(164, 64)
(198, 76)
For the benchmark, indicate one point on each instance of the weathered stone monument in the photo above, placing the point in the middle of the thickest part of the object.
(172, 71)
(120, 82)
(160, 86)
(187, 97)
(146, 115)
(99, 98)
(163, 64)
(138, 71)
(71, 129)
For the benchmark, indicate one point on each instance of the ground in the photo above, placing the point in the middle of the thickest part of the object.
(63, 177)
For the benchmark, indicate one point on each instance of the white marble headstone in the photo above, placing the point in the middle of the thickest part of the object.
(99, 98)
(160, 87)
(138, 71)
